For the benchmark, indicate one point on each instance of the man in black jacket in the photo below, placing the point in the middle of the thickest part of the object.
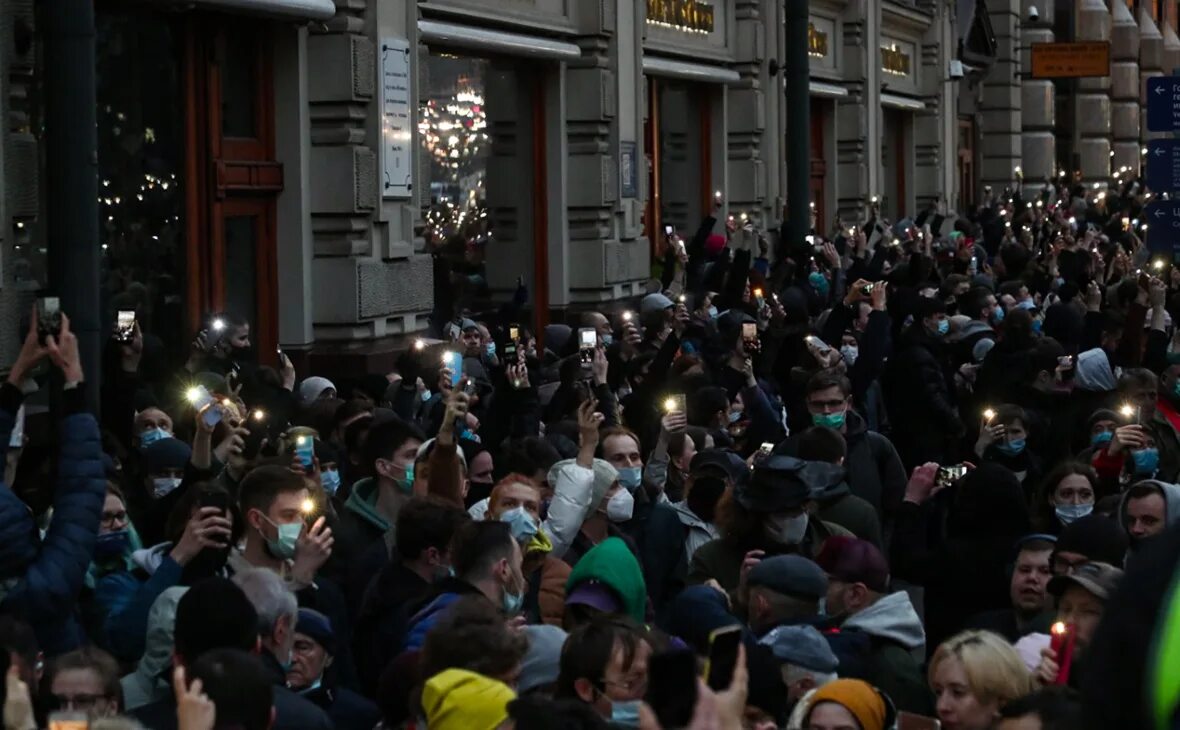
(310, 675)
(919, 390)
(215, 614)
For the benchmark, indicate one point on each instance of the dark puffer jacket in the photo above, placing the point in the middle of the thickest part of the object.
(40, 580)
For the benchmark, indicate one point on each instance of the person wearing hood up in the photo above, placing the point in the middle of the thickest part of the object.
(316, 388)
(607, 580)
(875, 472)
(1031, 609)
(147, 684)
(1147, 509)
(859, 600)
(962, 564)
(676, 531)
(837, 503)
(769, 515)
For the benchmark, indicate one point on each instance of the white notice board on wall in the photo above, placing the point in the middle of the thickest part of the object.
(397, 160)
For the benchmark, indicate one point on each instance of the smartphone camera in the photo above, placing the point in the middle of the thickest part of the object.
(48, 318)
(867, 289)
(125, 326)
(676, 404)
(587, 341)
(668, 230)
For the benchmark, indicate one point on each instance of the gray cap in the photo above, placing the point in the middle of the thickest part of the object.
(802, 646)
(543, 659)
(791, 575)
(654, 302)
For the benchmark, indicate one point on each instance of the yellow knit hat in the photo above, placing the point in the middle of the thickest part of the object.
(461, 700)
(857, 697)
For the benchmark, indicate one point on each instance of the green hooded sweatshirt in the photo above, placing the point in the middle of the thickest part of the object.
(612, 564)
(363, 502)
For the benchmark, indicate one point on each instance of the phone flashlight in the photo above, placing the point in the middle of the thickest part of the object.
(307, 507)
(419, 344)
(988, 415)
(218, 324)
(681, 299)
(627, 316)
(258, 414)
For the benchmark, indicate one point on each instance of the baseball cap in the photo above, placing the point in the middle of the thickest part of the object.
(595, 595)
(653, 302)
(1098, 578)
(801, 645)
(730, 464)
(854, 561)
(791, 575)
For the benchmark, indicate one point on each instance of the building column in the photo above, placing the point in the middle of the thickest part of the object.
(934, 128)
(746, 103)
(1124, 88)
(1038, 99)
(1171, 52)
(367, 253)
(1001, 119)
(1092, 113)
(608, 252)
(858, 115)
(1151, 63)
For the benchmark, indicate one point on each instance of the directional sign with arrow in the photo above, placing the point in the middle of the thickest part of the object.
(1163, 227)
(1163, 104)
(1163, 165)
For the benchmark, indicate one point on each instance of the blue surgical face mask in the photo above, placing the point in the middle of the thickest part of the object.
(608, 339)
(1012, 447)
(111, 544)
(998, 314)
(512, 603)
(163, 486)
(625, 714)
(313, 686)
(330, 478)
(1146, 461)
(1067, 513)
(630, 477)
(818, 282)
(491, 349)
(944, 326)
(735, 416)
(283, 546)
(523, 526)
(713, 312)
(152, 435)
(1102, 438)
(1026, 304)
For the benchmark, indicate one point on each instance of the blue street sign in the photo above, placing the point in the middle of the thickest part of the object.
(1163, 227)
(1163, 104)
(1163, 166)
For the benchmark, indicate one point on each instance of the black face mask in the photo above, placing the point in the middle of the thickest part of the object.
(241, 355)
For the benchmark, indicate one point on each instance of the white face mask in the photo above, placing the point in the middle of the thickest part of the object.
(162, 486)
(620, 506)
(787, 530)
(849, 353)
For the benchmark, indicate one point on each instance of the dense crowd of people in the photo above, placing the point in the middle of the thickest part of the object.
(898, 474)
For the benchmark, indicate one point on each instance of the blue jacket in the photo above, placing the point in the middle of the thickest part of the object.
(41, 581)
(125, 598)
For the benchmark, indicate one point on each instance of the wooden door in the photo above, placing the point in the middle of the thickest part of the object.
(236, 180)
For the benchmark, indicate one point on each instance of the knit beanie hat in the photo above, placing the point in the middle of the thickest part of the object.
(857, 697)
(461, 700)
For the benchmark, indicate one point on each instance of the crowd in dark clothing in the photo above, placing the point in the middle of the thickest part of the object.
(893, 472)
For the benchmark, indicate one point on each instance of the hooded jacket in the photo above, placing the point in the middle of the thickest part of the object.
(151, 680)
(40, 579)
(611, 563)
(896, 634)
(918, 387)
(128, 596)
(1170, 493)
(674, 533)
(839, 506)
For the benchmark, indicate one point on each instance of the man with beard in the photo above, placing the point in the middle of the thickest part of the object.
(1147, 509)
(1031, 610)
(861, 606)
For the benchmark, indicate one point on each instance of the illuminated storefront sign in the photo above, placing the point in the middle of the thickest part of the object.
(692, 16)
(817, 42)
(895, 61)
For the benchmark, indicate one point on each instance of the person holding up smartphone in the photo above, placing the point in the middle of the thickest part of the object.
(50, 572)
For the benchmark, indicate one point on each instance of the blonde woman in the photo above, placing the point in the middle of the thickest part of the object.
(973, 675)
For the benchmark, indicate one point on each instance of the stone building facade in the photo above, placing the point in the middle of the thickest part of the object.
(1090, 129)
(316, 152)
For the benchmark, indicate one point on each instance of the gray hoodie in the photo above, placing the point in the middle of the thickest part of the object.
(892, 617)
(151, 680)
(1170, 493)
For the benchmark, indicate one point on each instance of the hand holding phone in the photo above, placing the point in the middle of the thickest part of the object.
(672, 687)
(48, 318)
(587, 341)
(724, 644)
